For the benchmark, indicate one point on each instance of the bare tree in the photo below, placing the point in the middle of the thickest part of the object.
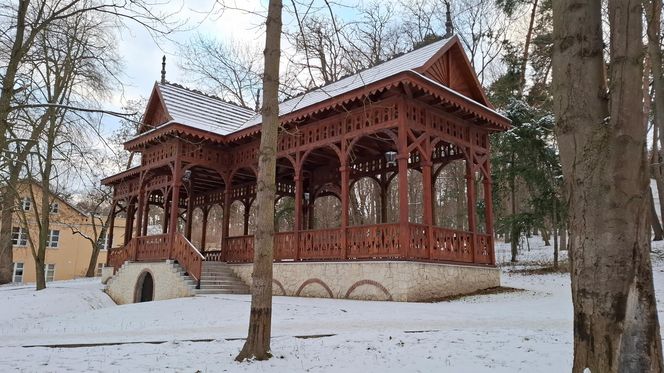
(229, 70)
(602, 140)
(257, 344)
(22, 23)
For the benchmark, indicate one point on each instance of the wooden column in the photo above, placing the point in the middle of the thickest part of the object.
(129, 223)
(345, 176)
(139, 210)
(488, 203)
(384, 185)
(247, 211)
(402, 161)
(470, 190)
(226, 218)
(206, 212)
(190, 210)
(428, 207)
(298, 210)
(174, 213)
(146, 217)
(165, 216)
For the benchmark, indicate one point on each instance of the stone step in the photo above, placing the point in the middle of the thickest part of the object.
(225, 286)
(221, 282)
(217, 291)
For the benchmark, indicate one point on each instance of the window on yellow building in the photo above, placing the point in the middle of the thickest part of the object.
(19, 236)
(53, 238)
(26, 203)
(54, 208)
(50, 272)
(18, 273)
(99, 268)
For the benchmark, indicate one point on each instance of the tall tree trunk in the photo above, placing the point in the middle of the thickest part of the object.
(9, 200)
(526, 48)
(555, 229)
(658, 234)
(602, 150)
(653, 29)
(257, 345)
(6, 95)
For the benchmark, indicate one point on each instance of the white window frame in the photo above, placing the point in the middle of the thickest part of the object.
(21, 238)
(98, 270)
(26, 203)
(54, 208)
(47, 268)
(53, 239)
(16, 268)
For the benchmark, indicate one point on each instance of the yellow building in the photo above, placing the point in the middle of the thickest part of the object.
(68, 251)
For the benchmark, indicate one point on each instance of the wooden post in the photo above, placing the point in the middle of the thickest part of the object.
(298, 208)
(402, 161)
(140, 208)
(190, 209)
(470, 190)
(175, 211)
(226, 219)
(206, 212)
(488, 203)
(165, 216)
(129, 224)
(345, 174)
(247, 211)
(428, 207)
(146, 217)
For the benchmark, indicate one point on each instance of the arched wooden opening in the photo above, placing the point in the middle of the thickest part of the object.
(450, 196)
(215, 221)
(284, 214)
(144, 291)
(327, 212)
(365, 202)
(236, 219)
(197, 227)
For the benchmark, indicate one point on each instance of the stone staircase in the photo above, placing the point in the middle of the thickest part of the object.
(219, 278)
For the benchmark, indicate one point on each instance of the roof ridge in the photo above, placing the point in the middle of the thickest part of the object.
(214, 97)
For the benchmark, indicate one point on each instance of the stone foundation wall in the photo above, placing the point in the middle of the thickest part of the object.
(169, 281)
(396, 281)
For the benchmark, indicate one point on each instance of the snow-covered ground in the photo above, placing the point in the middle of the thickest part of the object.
(523, 331)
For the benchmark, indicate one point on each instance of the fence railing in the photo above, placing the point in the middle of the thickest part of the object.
(368, 242)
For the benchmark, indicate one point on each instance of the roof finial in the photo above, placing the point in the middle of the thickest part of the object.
(449, 27)
(258, 100)
(163, 70)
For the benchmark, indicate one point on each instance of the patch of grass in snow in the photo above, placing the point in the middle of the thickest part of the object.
(489, 291)
(563, 267)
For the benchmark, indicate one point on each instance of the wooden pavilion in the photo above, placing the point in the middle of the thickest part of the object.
(420, 111)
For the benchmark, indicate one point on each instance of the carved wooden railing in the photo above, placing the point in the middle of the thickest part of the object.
(285, 247)
(117, 256)
(484, 249)
(419, 241)
(187, 256)
(321, 244)
(156, 247)
(452, 245)
(369, 242)
(379, 241)
(240, 249)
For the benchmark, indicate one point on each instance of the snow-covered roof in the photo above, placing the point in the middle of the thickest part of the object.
(208, 113)
(198, 110)
(405, 62)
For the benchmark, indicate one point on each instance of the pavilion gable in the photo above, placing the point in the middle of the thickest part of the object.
(156, 112)
(451, 67)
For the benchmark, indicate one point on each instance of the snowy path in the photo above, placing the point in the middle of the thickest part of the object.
(523, 331)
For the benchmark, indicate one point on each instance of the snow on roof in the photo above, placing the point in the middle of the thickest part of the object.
(208, 113)
(198, 110)
(408, 61)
